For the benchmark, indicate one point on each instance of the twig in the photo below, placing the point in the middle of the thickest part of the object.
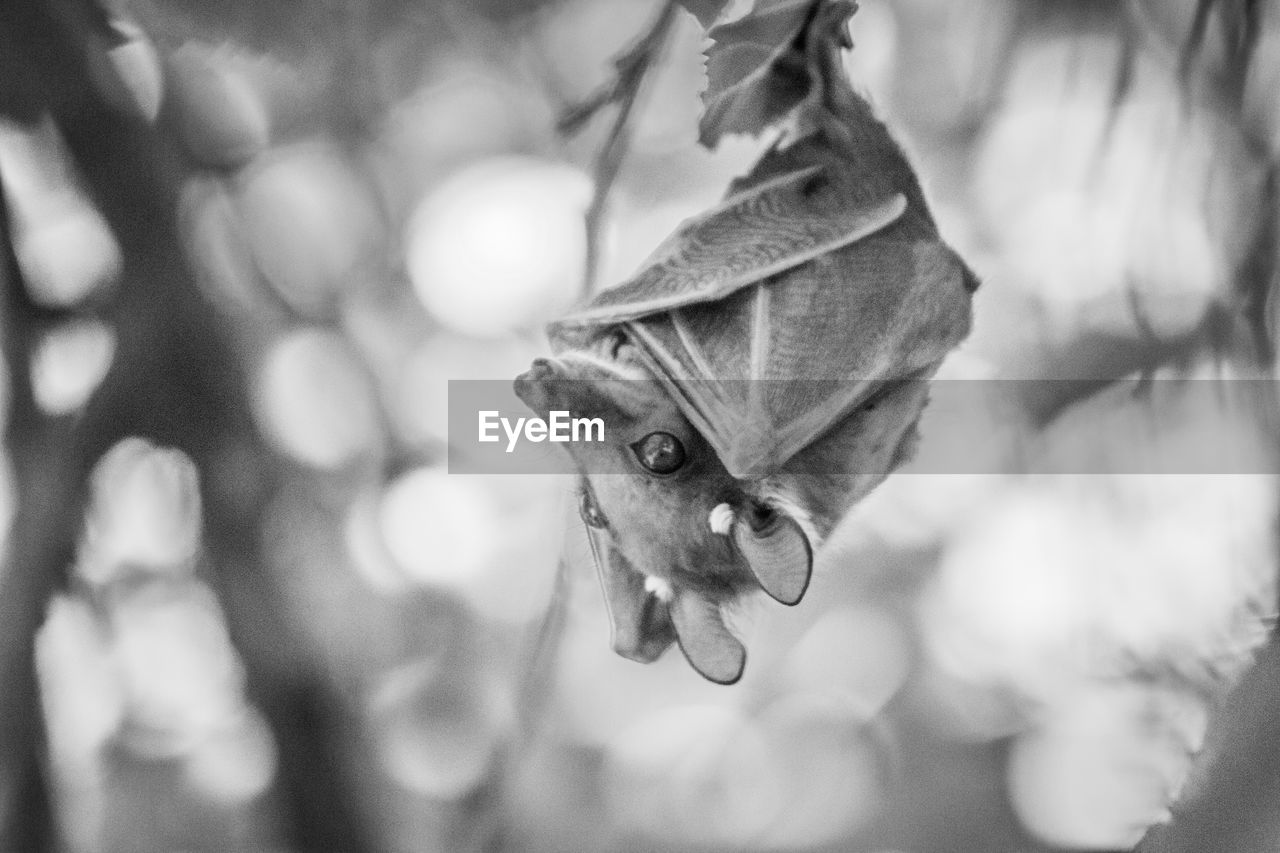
(538, 671)
(1195, 38)
(633, 67)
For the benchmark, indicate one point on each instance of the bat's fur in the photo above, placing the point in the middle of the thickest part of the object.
(653, 534)
(659, 522)
(820, 484)
(657, 527)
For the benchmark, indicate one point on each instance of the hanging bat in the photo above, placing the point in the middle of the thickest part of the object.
(763, 371)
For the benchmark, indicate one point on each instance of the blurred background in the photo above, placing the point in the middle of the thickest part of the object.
(244, 606)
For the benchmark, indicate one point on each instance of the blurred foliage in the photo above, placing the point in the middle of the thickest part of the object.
(248, 244)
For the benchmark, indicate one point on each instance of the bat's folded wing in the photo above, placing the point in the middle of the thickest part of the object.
(766, 372)
(774, 315)
(760, 232)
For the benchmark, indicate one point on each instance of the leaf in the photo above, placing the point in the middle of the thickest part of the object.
(758, 69)
(770, 22)
(749, 86)
(706, 11)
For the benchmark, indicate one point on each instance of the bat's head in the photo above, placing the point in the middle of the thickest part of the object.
(675, 536)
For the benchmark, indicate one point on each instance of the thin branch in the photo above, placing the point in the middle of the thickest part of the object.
(633, 67)
(537, 677)
(1195, 38)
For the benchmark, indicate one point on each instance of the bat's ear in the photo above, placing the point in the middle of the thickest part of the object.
(778, 553)
(639, 619)
(707, 644)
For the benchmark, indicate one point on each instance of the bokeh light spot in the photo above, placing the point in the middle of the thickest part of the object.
(499, 245)
(145, 510)
(69, 363)
(237, 763)
(315, 401)
(440, 528)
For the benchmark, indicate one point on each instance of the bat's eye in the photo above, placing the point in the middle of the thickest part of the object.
(660, 452)
(591, 515)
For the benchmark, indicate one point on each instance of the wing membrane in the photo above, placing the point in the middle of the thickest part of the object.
(832, 337)
(753, 235)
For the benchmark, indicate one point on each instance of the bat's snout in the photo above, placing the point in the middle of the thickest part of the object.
(542, 368)
(531, 386)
